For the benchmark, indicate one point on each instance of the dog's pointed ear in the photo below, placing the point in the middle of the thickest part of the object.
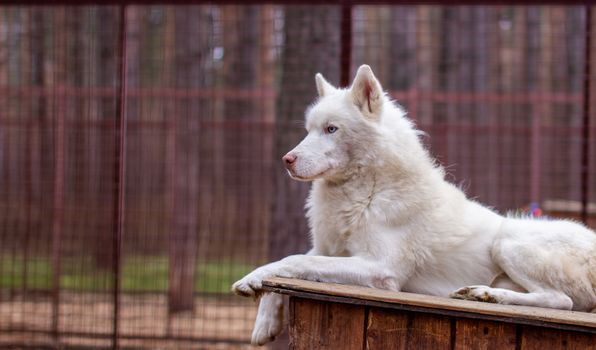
(323, 87)
(367, 93)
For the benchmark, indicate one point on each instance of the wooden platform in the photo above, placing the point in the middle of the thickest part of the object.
(333, 316)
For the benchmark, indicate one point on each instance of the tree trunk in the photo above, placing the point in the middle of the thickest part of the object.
(103, 175)
(57, 79)
(4, 130)
(402, 56)
(426, 59)
(240, 72)
(311, 45)
(482, 151)
(193, 48)
(534, 68)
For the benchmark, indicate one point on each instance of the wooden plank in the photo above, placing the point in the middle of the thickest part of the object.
(386, 329)
(480, 334)
(390, 329)
(365, 295)
(325, 325)
(536, 338)
(427, 331)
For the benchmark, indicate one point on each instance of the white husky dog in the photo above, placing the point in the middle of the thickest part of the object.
(382, 215)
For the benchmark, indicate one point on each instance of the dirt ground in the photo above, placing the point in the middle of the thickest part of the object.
(217, 320)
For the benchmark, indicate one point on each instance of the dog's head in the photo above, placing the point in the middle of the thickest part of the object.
(341, 126)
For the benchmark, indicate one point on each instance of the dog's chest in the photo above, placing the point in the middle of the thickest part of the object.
(339, 223)
(335, 237)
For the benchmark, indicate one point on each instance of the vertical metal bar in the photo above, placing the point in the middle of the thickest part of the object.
(119, 174)
(345, 57)
(585, 137)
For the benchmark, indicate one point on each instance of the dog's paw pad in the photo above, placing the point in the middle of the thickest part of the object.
(475, 293)
(460, 293)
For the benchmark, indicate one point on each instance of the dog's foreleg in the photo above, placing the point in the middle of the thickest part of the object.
(269, 322)
(270, 317)
(348, 270)
(352, 270)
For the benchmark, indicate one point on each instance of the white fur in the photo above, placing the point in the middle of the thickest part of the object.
(382, 215)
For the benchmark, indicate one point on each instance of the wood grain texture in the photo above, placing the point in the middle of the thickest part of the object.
(427, 331)
(536, 338)
(386, 329)
(324, 325)
(390, 329)
(479, 334)
(364, 295)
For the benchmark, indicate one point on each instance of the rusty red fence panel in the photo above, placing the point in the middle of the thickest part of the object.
(139, 145)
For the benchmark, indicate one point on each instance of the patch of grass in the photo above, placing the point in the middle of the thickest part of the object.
(218, 277)
(139, 273)
(12, 273)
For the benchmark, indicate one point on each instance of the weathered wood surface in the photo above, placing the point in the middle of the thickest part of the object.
(536, 338)
(368, 296)
(480, 334)
(386, 329)
(332, 316)
(316, 325)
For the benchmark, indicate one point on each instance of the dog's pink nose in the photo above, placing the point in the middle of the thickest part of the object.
(289, 159)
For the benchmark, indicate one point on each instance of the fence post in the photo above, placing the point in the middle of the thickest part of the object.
(585, 137)
(120, 175)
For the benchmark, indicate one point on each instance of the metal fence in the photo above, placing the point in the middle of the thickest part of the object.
(139, 146)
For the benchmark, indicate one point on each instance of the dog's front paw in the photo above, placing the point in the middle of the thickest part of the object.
(251, 284)
(477, 293)
(266, 329)
(269, 322)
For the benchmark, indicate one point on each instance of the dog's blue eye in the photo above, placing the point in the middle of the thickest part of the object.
(331, 129)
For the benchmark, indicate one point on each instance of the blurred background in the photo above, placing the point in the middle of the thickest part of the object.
(140, 146)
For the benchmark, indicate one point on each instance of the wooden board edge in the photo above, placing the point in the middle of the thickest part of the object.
(561, 319)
